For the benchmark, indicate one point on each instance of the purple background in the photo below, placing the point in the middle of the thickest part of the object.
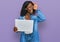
(49, 30)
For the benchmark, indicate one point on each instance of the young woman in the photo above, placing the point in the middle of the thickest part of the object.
(30, 11)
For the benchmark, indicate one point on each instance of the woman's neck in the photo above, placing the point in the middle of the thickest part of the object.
(27, 16)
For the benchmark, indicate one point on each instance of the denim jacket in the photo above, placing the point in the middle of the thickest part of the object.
(39, 17)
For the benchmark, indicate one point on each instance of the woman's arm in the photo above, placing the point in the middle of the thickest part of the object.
(40, 16)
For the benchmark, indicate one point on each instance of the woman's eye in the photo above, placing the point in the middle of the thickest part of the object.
(31, 7)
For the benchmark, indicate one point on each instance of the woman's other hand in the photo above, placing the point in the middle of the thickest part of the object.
(15, 29)
(35, 6)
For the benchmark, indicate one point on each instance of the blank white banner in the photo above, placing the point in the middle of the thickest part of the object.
(24, 25)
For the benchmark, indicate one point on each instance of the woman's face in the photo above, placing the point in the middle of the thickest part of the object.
(30, 8)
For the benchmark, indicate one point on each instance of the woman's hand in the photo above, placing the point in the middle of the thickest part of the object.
(35, 6)
(15, 29)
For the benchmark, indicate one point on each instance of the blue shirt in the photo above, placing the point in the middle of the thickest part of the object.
(34, 37)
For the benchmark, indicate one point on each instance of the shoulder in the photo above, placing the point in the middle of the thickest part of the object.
(33, 16)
